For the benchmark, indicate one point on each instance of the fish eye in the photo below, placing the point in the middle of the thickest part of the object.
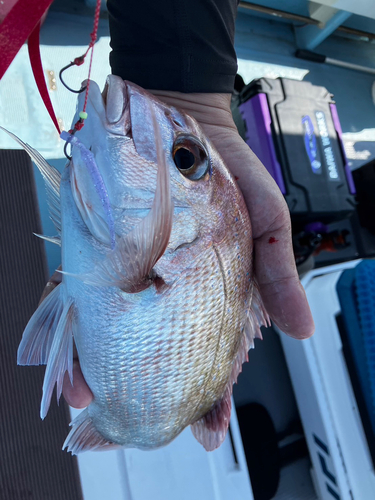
(190, 157)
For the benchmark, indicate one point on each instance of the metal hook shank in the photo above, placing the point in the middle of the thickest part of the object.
(82, 89)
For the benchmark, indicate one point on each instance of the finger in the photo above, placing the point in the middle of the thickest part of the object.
(274, 263)
(279, 284)
(275, 269)
(77, 395)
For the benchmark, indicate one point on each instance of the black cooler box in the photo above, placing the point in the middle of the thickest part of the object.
(294, 129)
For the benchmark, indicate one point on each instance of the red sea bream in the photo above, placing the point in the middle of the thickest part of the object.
(157, 290)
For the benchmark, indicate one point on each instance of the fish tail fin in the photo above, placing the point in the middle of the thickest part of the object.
(37, 338)
(84, 436)
(60, 358)
(211, 429)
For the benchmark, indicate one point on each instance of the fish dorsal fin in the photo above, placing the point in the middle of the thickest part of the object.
(51, 176)
(211, 429)
(84, 436)
(256, 316)
(60, 358)
(37, 338)
(131, 262)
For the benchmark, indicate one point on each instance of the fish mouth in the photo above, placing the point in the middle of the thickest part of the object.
(110, 111)
(122, 109)
(116, 102)
(112, 105)
(127, 110)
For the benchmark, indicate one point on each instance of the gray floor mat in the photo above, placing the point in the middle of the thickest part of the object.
(32, 465)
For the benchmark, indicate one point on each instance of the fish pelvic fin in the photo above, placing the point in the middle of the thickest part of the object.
(51, 177)
(60, 358)
(211, 429)
(84, 436)
(130, 264)
(37, 338)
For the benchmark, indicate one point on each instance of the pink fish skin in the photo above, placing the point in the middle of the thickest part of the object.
(163, 318)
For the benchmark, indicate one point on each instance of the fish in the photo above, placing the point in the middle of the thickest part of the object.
(158, 291)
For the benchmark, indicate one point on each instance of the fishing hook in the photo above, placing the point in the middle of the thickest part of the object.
(66, 153)
(74, 63)
(71, 132)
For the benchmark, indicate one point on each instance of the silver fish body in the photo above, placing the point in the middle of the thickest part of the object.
(159, 351)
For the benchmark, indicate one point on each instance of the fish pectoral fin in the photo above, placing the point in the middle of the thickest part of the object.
(37, 338)
(60, 358)
(84, 436)
(48, 339)
(211, 429)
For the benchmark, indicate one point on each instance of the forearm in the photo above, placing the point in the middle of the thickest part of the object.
(174, 44)
(206, 108)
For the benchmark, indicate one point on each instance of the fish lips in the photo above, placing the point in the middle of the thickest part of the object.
(111, 106)
(124, 109)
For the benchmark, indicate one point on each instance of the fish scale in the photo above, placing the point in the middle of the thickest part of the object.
(139, 352)
(163, 321)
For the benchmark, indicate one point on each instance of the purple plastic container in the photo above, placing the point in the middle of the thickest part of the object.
(256, 115)
(294, 129)
(348, 172)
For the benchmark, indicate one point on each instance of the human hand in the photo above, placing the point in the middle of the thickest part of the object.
(275, 270)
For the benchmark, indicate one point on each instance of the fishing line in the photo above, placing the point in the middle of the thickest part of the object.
(78, 61)
(69, 138)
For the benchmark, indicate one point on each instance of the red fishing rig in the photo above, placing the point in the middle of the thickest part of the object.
(20, 21)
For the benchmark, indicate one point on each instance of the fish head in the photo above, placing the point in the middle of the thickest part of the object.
(125, 129)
